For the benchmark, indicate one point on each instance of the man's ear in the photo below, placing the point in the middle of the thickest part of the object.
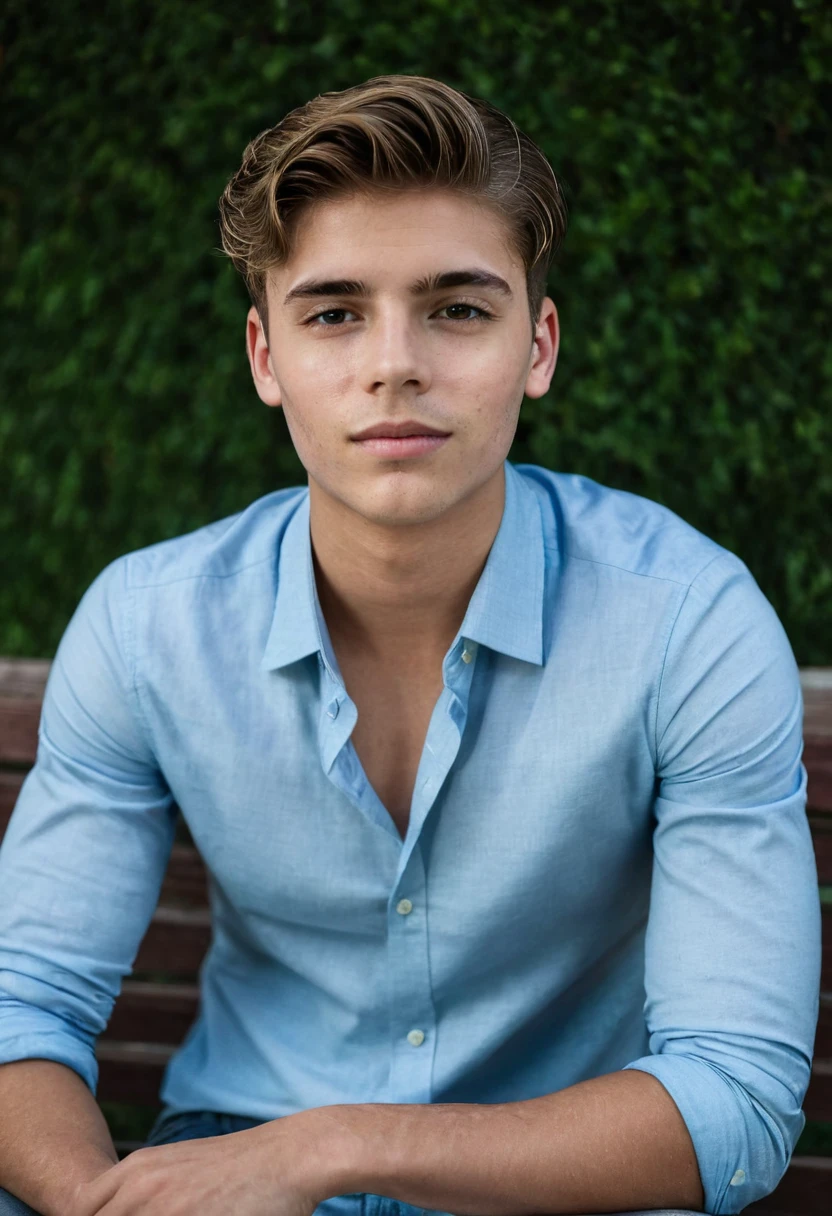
(544, 354)
(260, 360)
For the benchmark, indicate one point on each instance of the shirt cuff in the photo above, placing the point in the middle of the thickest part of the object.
(29, 1033)
(741, 1149)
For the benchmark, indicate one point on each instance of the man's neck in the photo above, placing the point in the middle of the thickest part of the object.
(382, 587)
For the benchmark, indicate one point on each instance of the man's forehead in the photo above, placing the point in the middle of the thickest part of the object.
(414, 205)
(477, 241)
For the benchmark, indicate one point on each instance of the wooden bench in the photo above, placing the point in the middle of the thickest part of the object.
(159, 1001)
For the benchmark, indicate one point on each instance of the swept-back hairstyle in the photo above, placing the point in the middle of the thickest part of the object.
(390, 133)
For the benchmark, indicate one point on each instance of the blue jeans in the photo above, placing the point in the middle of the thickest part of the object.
(171, 1127)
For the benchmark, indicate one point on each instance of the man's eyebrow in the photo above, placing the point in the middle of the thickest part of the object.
(474, 277)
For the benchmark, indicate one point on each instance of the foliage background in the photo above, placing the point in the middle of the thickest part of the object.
(693, 139)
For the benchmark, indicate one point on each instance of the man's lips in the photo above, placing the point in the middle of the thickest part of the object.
(398, 430)
(401, 440)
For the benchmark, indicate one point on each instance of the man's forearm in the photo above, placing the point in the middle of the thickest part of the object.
(614, 1143)
(53, 1135)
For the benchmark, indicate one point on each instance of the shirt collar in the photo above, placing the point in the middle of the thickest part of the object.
(296, 629)
(505, 611)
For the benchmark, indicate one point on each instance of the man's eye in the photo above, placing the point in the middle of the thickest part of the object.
(327, 312)
(483, 314)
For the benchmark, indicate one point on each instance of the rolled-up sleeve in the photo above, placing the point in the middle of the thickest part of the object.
(732, 965)
(82, 860)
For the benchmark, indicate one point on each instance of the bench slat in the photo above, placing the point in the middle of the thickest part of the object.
(153, 1013)
(24, 678)
(18, 730)
(175, 943)
(823, 1038)
(816, 686)
(186, 882)
(10, 784)
(818, 760)
(131, 1072)
(817, 1104)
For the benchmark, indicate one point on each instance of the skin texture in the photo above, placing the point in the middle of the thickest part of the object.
(399, 546)
(394, 357)
(254, 1171)
(53, 1136)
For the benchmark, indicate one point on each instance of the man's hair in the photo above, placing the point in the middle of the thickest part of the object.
(391, 133)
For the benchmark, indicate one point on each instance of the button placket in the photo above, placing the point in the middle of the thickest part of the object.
(412, 1017)
(412, 1013)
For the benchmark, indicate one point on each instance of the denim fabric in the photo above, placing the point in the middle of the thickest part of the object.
(9, 1206)
(172, 1126)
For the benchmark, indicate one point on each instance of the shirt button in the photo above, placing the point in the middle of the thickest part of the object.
(404, 907)
(738, 1179)
(416, 1037)
(466, 655)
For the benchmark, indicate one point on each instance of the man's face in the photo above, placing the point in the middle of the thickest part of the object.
(372, 350)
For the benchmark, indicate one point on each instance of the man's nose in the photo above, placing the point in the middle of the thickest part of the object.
(394, 353)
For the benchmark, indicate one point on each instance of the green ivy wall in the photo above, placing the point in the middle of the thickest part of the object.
(693, 139)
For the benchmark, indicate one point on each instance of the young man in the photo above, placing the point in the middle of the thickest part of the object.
(496, 770)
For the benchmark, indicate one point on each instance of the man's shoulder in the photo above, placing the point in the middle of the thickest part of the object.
(597, 523)
(222, 549)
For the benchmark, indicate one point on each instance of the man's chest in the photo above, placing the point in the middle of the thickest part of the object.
(395, 703)
(534, 789)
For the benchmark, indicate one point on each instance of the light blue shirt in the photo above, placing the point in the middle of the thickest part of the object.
(607, 865)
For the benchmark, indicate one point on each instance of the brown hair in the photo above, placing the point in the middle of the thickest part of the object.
(390, 133)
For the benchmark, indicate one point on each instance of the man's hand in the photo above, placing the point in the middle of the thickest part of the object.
(250, 1173)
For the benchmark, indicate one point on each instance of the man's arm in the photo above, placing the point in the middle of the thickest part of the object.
(81, 866)
(613, 1143)
(53, 1136)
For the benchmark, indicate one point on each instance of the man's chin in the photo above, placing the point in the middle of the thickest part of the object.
(406, 496)
(395, 503)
